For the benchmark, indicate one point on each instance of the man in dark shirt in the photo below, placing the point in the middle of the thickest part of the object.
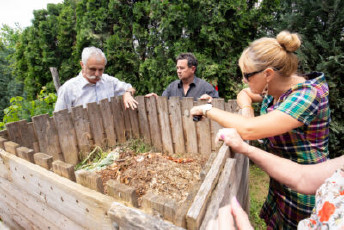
(188, 84)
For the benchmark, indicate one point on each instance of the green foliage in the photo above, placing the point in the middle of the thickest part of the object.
(9, 85)
(99, 158)
(21, 108)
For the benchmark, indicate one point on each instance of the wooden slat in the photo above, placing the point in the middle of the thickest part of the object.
(64, 169)
(189, 126)
(11, 147)
(232, 106)
(214, 126)
(2, 142)
(4, 134)
(67, 136)
(21, 133)
(106, 112)
(126, 115)
(82, 130)
(166, 135)
(96, 124)
(33, 137)
(122, 192)
(43, 160)
(226, 181)
(198, 207)
(14, 131)
(118, 119)
(25, 153)
(131, 218)
(50, 197)
(242, 171)
(203, 133)
(47, 136)
(154, 126)
(143, 120)
(175, 115)
(90, 180)
(134, 123)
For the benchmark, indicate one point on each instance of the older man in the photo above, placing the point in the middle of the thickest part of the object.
(92, 84)
(188, 84)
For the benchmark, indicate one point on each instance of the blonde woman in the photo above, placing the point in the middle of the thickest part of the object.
(294, 118)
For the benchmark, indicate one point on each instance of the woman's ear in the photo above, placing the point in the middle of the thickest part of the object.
(269, 74)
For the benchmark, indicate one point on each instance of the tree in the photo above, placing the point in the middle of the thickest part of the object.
(8, 84)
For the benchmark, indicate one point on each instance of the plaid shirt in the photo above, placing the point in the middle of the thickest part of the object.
(308, 103)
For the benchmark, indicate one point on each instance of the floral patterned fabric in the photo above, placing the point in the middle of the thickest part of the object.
(328, 212)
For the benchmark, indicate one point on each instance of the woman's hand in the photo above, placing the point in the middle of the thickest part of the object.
(232, 139)
(229, 214)
(197, 110)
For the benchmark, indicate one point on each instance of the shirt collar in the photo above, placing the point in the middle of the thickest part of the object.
(194, 82)
(83, 81)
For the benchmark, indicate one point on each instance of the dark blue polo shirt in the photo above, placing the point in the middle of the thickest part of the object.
(197, 88)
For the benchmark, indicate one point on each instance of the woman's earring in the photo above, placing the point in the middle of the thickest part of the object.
(265, 90)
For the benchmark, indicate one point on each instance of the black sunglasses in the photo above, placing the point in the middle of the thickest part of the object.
(248, 75)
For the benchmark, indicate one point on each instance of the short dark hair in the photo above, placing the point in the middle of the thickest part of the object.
(192, 61)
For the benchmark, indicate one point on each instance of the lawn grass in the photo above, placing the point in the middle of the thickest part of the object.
(259, 184)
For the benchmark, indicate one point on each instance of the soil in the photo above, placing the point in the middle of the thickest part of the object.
(170, 176)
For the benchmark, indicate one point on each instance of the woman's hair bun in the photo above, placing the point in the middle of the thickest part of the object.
(289, 41)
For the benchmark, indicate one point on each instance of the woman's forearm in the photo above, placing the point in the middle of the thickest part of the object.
(305, 179)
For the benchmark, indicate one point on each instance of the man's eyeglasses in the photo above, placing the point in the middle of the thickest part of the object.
(248, 75)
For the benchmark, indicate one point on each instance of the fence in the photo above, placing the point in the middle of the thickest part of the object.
(36, 154)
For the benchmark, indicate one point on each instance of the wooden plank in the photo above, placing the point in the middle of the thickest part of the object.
(154, 126)
(52, 196)
(21, 133)
(4, 134)
(47, 136)
(31, 215)
(232, 106)
(82, 130)
(165, 127)
(197, 210)
(131, 218)
(175, 115)
(2, 142)
(106, 111)
(122, 192)
(242, 170)
(32, 137)
(96, 124)
(67, 136)
(90, 180)
(11, 147)
(226, 180)
(214, 126)
(134, 123)
(189, 126)
(26, 153)
(64, 169)
(118, 118)
(126, 115)
(203, 133)
(143, 120)
(14, 131)
(43, 160)
(165, 206)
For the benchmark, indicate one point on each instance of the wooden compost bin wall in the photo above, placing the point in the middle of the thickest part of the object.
(33, 197)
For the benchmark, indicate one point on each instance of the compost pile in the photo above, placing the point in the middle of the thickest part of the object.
(170, 176)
